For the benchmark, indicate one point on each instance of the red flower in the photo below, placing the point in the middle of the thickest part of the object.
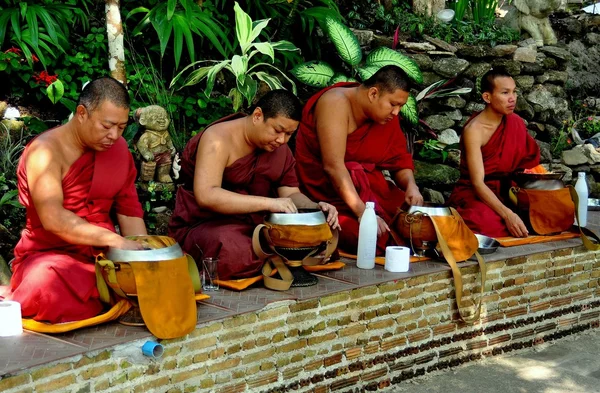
(45, 77)
(13, 50)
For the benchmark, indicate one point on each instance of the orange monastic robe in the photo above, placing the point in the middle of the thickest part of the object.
(369, 149)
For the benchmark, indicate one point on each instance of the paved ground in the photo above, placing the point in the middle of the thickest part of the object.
(571, 365)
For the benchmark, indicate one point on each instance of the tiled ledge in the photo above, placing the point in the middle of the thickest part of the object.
(34, 349)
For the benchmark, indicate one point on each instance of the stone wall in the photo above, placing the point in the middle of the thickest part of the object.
(371, 338)
(549, 80)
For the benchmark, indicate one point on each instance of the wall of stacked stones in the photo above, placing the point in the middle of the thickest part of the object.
(550, 80)
(368, 339)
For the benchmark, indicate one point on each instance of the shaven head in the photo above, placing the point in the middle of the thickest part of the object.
(104, 89)
(280, 102)
(488, 80)
(388, 79)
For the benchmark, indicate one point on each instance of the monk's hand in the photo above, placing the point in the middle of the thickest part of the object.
(515, 225)
(283, 205)
(127, 244)
(412, 196)
(382, 226)
(332, 215)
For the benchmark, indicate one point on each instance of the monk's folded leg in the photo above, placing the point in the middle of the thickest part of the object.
(480, 218)
(228, 239)
(348, 240)
(55, 288)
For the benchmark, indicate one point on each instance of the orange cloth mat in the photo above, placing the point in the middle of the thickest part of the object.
(519, 241)
(381, 260)
(243, 283)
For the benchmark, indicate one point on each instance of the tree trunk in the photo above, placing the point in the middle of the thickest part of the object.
(114, 30)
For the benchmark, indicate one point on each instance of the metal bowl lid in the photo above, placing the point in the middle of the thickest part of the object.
(154, 255)
(431, 211)
(313, 217)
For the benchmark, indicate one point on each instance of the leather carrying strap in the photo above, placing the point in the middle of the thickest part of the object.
(586, 234)
(273, 261)
(456, 274)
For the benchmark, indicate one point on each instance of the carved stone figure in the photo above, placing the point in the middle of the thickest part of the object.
(155, 144)
(532, 16)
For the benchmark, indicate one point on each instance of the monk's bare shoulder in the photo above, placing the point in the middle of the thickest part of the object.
(46, 150)
(334, 98)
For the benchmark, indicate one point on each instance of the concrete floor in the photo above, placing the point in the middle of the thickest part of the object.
(571, 365)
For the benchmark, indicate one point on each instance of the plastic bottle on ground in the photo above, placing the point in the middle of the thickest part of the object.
(367, 238)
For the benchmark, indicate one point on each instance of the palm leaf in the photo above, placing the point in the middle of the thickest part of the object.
(270, 80)
(344, 40)
(409, 111)
(181, 30)
(195, 76)
(243, 27)
(204, 25)
(212, 74)
(266, 49)
(171, 4)
(313, 73)
(383, 56)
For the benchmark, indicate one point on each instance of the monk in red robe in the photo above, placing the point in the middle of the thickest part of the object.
(70, 179)
(494, 144)
(349, 133)
(234, 172)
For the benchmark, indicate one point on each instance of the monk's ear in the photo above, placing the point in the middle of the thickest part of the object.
(487, 97)
(258, 114)
(373, 93)
(81, 113)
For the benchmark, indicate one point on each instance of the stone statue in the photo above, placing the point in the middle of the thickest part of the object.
(155, 144)
(533, 17)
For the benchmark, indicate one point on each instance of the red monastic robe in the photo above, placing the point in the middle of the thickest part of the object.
(369, 149)
(511, 148)
(53, 280)
(202, 232)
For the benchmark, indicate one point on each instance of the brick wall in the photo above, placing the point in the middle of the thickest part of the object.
(370, 338)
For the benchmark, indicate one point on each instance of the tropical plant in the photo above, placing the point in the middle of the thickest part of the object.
(182, 19)
(40, 30)
(484, 10)
(246, 74)
(320, 74)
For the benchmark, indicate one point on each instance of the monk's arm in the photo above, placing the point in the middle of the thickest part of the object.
(303, 202)
(44, 178)
(131, 226)
(211, 160)
(473, 142)
(405, 179)
(332, 132)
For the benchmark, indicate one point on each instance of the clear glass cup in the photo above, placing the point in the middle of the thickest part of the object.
(210, 274)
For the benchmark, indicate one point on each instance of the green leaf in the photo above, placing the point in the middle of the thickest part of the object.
(284, 45)
(270, 80)
(195, 76)
(338, 77)
(248, 89)
(171, 4)
(3, 65)
(313, 73)
(344, 40)
(243, 27)
(266, 49)
(367, 71)
(55, 91)
(432, 86)
(237, 98)
(409, 111)
(212, 74)
(239, 66)
(257, 27)
(383, 56)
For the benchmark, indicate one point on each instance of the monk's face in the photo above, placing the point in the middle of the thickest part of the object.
(385, 106)
(103, 126)
(275, 131)
(504, 97)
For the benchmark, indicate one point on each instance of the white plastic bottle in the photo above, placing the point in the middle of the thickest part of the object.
(367, 238)
(582, 192)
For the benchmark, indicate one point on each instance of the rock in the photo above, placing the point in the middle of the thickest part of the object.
(455, 115)
(465, 82)
(541, 97)
(592, 154)
(557, 76)
(450, 67)
(524, 82)
(453, 158)
(423, 61)
(477, 70)
(379, 40)
(5, 273)
(590, 38)
(454, 102)
(556, 52)
(549, 63)
(557, 167)
(574, 156)
(430, 77)
(439, 122)
(477, 51)
(427, 174)
(365, 37)
(537, 127)
(525, 55)
(448, 137)
(555, 90)
(512, 67)
(441, 44)
(545, 151)
(528, 43)
(532, 133)
(552, 131)
(417, 46)
(570, 25)
(474, 107)
(592, 103)
(3, 106)
(532, 68)
(523, 108)
(464, 121)
(503, 50)
(440, 53)
(433, 196)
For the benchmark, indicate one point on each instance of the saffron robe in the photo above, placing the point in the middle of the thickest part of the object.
(510, 148)
(370, 149)
(204, 233)
(54, 280)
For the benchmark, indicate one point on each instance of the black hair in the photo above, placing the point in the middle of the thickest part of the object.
(280, 102)
(487, 80)
(104, 89)
(389, 79)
